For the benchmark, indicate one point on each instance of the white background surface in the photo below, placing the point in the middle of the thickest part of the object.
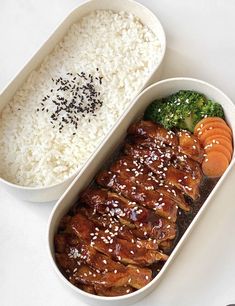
(200, 40)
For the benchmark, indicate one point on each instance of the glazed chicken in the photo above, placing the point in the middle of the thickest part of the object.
(140, 190)
(125, 223)
(155, 132)
(78, 258)
(107, 243)
(105, 221)
(143, 222)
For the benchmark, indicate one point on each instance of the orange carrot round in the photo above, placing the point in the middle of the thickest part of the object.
(218, 148)
(224, 141)
(204, 121)
(213, 132)
(216, 125)
(214, 164)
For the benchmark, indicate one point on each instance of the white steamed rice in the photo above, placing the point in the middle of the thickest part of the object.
(125, 51)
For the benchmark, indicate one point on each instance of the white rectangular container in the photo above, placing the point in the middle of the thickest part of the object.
(51, 193)
(156, 91)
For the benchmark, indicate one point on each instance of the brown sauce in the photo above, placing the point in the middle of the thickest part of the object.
(184, 219)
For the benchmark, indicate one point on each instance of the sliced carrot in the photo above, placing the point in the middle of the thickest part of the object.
(219, 148)
(224, 141)
(219, 136)
(214, 164)
(204, 121)
(215, 125)
(213, 132)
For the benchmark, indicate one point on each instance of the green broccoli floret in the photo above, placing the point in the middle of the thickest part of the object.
(212, 109)
(183, 110)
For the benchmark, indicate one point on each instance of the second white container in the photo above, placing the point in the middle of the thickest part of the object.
(156, 91)
(53, 192)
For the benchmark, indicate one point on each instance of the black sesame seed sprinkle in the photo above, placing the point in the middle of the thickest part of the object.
(73, 97)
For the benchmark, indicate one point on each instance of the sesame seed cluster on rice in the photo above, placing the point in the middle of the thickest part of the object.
(34, 151)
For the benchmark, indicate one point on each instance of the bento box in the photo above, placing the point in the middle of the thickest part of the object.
(86, 176)
(32, 169)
